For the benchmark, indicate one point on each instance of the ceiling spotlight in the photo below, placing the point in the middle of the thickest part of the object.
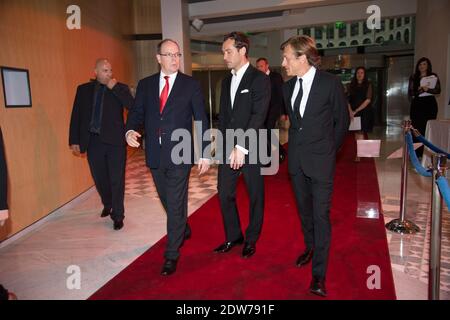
(197, 24)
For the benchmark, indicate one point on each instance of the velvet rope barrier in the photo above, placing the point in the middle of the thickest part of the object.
(414, 160)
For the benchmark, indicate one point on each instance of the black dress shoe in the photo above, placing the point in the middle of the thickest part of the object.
(318, 287)
(105, 212)
(304, 258)
(249, 250)
(118, 224)
(169, 267)
(227, 246)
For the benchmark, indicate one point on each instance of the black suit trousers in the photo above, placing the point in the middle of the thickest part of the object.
(227, 182)
(107, 164)
(172, 186)
(313, 196)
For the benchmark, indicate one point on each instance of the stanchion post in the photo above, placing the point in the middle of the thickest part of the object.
(402, 225)
(434, 274)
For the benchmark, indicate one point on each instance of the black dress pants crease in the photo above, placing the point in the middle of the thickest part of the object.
(107, 164)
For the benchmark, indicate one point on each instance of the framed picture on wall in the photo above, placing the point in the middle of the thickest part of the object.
(16, 87)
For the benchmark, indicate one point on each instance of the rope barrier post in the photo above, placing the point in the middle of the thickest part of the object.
(402, 225)
(434, 275)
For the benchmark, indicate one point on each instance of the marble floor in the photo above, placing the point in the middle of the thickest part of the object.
(410, 253)
(73, 252)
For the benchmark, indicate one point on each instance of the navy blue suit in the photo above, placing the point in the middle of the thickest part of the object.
(185, 102)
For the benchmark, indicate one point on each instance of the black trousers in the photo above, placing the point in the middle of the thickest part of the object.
(107, 164)
(172, 186)
(422, 110)
(313, 196)
(3, 176)
(227, 182)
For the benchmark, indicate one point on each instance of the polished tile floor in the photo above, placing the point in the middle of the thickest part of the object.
(410, 253)
(43, 261)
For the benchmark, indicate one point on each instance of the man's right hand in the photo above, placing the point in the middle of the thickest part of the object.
(75, 148)
(132, 138)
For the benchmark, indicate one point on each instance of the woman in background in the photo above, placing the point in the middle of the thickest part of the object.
(359, 93)
(423, 103)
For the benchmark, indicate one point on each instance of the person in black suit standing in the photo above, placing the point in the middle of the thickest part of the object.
(317, 109)
(276, 106)
(244, 103)
(166, 102)
(97, 126)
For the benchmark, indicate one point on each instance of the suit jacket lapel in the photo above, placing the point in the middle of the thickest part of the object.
(314, 90)
(244, 84)
(227, 93)
(154, 93)
(290, 92)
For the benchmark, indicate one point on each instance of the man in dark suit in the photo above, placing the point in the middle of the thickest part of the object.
(97, 126)
(276, 106)
(317, 109)
(244, 102)
(166, 103)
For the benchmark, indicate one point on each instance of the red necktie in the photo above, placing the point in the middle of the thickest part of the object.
(164, 95)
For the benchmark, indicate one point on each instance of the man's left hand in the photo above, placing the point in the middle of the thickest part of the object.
(237, 158)
(203, 166)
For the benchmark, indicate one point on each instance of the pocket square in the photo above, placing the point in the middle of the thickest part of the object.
(244, 91)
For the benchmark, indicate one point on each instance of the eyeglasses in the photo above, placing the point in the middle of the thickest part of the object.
(171, 55)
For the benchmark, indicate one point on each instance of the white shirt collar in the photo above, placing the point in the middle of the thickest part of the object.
(309, 75)
(241, 71)
(171, 76)
(268, 72)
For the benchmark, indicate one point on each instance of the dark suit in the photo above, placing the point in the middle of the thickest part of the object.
(313, 142)
(276, 106)
(249, 111)
(171, 178)
(106, 150)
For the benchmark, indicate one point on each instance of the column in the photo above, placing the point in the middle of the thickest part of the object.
(175, 25)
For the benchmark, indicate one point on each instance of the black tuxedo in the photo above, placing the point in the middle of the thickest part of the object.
(313, 142)
(106, 151)
(249, 111)
(185, 102)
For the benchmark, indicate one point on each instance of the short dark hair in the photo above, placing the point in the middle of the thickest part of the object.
(160, 44)
(262, 59)
(240, 41)
(304, 45)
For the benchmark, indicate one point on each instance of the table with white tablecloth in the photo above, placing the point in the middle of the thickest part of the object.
(438, 133)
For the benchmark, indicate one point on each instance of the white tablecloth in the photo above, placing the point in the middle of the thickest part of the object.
(438, 133)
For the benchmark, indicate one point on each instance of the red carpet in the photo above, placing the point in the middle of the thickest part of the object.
(357, 243)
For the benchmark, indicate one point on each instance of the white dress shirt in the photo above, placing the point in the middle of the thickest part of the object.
(162, 82)
(308, 79)
(235, 81)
